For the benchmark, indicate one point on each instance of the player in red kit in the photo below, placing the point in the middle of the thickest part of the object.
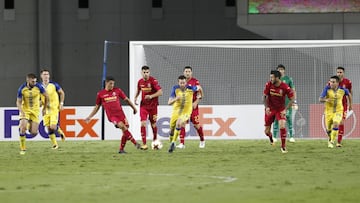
(274, 96)
(150, 91)
(194, 118)
(345, 83)
(109, 98)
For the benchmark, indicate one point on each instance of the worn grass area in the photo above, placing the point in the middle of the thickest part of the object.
(225, 171)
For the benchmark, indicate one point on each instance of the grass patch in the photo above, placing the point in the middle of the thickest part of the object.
(225, 171)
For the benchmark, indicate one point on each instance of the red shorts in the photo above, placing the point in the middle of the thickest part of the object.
(194, 118)
(116, 118)
(148, 112)
(274, 114)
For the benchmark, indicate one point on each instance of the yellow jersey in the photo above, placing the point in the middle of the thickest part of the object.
(183, 105)
(335, 97)
(30, 96)
(54, 103)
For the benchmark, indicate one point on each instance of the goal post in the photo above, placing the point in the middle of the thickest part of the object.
(233, 75)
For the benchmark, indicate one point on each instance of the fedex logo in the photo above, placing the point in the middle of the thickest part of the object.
(72, 127)
(212, 125)
(86, 128)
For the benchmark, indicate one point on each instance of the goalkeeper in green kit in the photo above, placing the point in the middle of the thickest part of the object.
(290, 113)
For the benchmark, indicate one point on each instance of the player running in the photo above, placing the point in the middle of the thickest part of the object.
(28, 103)
(274, 101)
(150, 92)
(332, 97)
(290, 113)
(345, 83)
(55, 105)
(109, 98)
(181, 100)
(194, 118)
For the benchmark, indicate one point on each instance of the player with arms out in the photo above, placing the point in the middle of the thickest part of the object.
(109, 98)
(345, 83)
(290, 113)
(181, 98)
(274, 101)
(150, 91)
(28, 103)
(56, 104)
(194, 118)
(332, 97)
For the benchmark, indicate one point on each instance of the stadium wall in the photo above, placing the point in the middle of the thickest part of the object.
(59, 35)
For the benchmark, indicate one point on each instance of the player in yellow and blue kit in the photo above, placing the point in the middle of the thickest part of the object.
(332, 97)
(28, 103)
(181, 98)
(56, 103)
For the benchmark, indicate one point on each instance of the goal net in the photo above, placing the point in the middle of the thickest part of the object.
(233, 75)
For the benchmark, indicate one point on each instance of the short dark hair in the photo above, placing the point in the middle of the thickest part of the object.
(276, 73)
(188, 67)
(281, 66)
(341, 68)
(182, 77)
(31, 76)
(335, 77)
(109, 78)
(145, 68)
(44, 70)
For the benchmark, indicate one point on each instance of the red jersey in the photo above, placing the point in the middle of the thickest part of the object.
(276, 95)
(345, 83)
(110, 100)
(193, 82)
(148, 87)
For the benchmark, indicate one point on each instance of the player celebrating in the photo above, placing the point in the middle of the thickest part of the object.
(181, 98)
(56, 103)
(194, 118)
(274, 100)
(150, 91)
(28, 103)
(332, 96)
(109, 98)
(290, 113)
(345, 83)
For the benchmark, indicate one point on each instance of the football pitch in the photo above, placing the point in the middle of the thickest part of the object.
(224, 172)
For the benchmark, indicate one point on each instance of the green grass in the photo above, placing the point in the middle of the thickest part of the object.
(223, 172)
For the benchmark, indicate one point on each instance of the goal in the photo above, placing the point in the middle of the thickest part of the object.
(233, 73)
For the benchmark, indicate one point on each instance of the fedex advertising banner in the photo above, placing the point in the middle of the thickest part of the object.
(71, 122)
(219, 122)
